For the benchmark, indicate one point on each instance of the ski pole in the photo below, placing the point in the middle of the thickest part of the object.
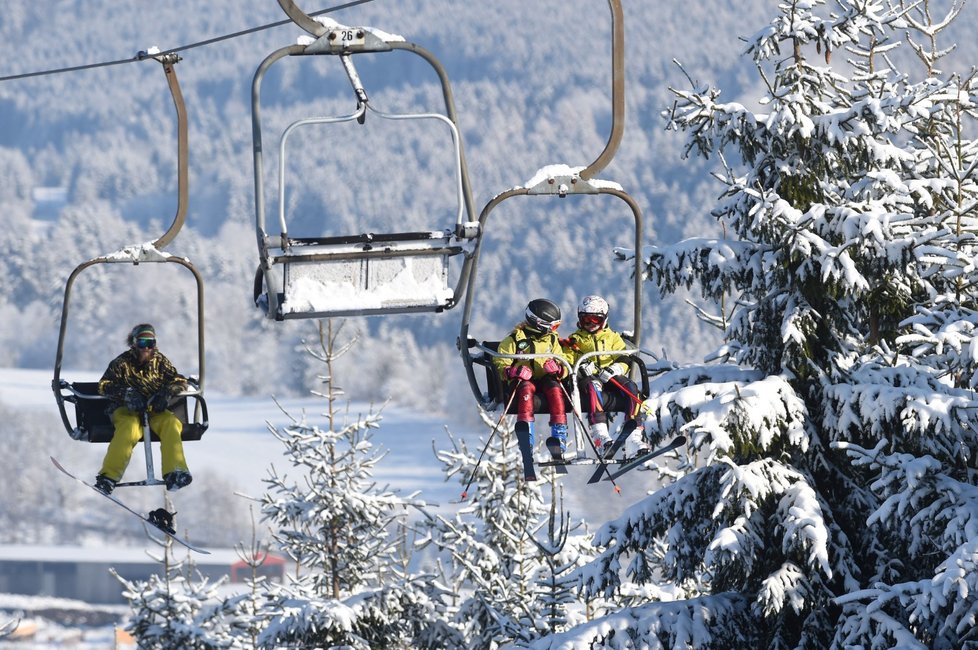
(580, 420)
(465, 492)
(627, 392)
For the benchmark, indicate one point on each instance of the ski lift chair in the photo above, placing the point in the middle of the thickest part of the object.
(364, 273)
(561, 181)
(91, 420)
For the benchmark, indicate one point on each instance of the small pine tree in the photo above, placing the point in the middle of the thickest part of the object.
(337, 526)
(511, 586)
(172, 610)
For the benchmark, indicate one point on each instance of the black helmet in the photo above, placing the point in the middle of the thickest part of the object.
(542, 316)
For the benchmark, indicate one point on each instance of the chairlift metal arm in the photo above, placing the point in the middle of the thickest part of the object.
(449, 100)
(168, 62)
(617, 93)
(256, 141)
(302, 19)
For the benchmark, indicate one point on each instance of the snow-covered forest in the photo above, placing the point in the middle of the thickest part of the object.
(811, 186)
(88, 166)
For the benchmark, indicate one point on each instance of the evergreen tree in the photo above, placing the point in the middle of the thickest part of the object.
(338, 526)
(243, 612)
(830, 444)
(172, 610)
(513, 583)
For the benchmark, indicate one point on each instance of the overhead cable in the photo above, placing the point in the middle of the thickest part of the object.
(142, 55)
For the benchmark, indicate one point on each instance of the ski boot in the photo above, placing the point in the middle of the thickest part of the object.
(177, 479)
(602, 439)
(104, 484)
(557, 442)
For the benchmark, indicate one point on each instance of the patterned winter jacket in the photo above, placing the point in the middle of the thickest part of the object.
(582, 342)
(124, 371)
(520, 341)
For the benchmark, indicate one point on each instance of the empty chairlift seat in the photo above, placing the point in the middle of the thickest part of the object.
(364, 274)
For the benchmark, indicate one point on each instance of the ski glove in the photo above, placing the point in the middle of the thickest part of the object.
(160, 401)
(589, 368)
(133, 400)
(607, 374)
(551, 367)
(516, 371)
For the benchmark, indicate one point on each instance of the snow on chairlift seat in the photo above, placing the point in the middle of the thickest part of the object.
(367, 274)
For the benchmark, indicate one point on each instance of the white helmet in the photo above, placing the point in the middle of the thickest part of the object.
(592, 315)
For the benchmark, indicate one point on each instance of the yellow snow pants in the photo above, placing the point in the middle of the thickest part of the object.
(129, 431)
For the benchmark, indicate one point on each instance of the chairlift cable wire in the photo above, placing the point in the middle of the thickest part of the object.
(142, 55)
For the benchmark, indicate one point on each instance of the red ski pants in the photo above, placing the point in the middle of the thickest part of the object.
(552, 394)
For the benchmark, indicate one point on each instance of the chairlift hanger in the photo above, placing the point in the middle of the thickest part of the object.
(363, 273)
(561, 181)
(91, 422)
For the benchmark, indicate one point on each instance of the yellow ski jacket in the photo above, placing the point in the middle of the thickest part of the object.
(520, 341)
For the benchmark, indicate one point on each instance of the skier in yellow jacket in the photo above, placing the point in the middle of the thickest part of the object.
(537, 334)
(142, 380)
(606, 374)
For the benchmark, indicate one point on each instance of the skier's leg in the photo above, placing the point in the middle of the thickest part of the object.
(524, 438)
(169, 427)
(554, 395)
(524, 426)
(128, 431)
(636, 443)
(597, 417)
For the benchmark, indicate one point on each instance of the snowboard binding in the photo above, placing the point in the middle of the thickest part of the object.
(162, 519)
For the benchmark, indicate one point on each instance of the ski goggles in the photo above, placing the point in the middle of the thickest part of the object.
(592, 319)
(145, 343)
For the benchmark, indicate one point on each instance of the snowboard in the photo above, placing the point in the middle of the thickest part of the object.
(159, 519)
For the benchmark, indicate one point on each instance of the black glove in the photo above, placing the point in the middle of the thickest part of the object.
(134, 400)
(159, 401)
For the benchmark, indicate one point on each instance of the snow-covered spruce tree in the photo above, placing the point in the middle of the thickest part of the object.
(512, 578)
(175, 609)
(339, 527)
(830, 446)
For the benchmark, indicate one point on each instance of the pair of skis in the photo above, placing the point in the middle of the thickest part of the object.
(560, 464)
(160, 519)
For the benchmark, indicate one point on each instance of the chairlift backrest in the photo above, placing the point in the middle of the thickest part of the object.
(93, 421)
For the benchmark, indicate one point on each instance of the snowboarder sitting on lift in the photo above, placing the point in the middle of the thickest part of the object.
(605, 375)
(142, 380)
(537, 334)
